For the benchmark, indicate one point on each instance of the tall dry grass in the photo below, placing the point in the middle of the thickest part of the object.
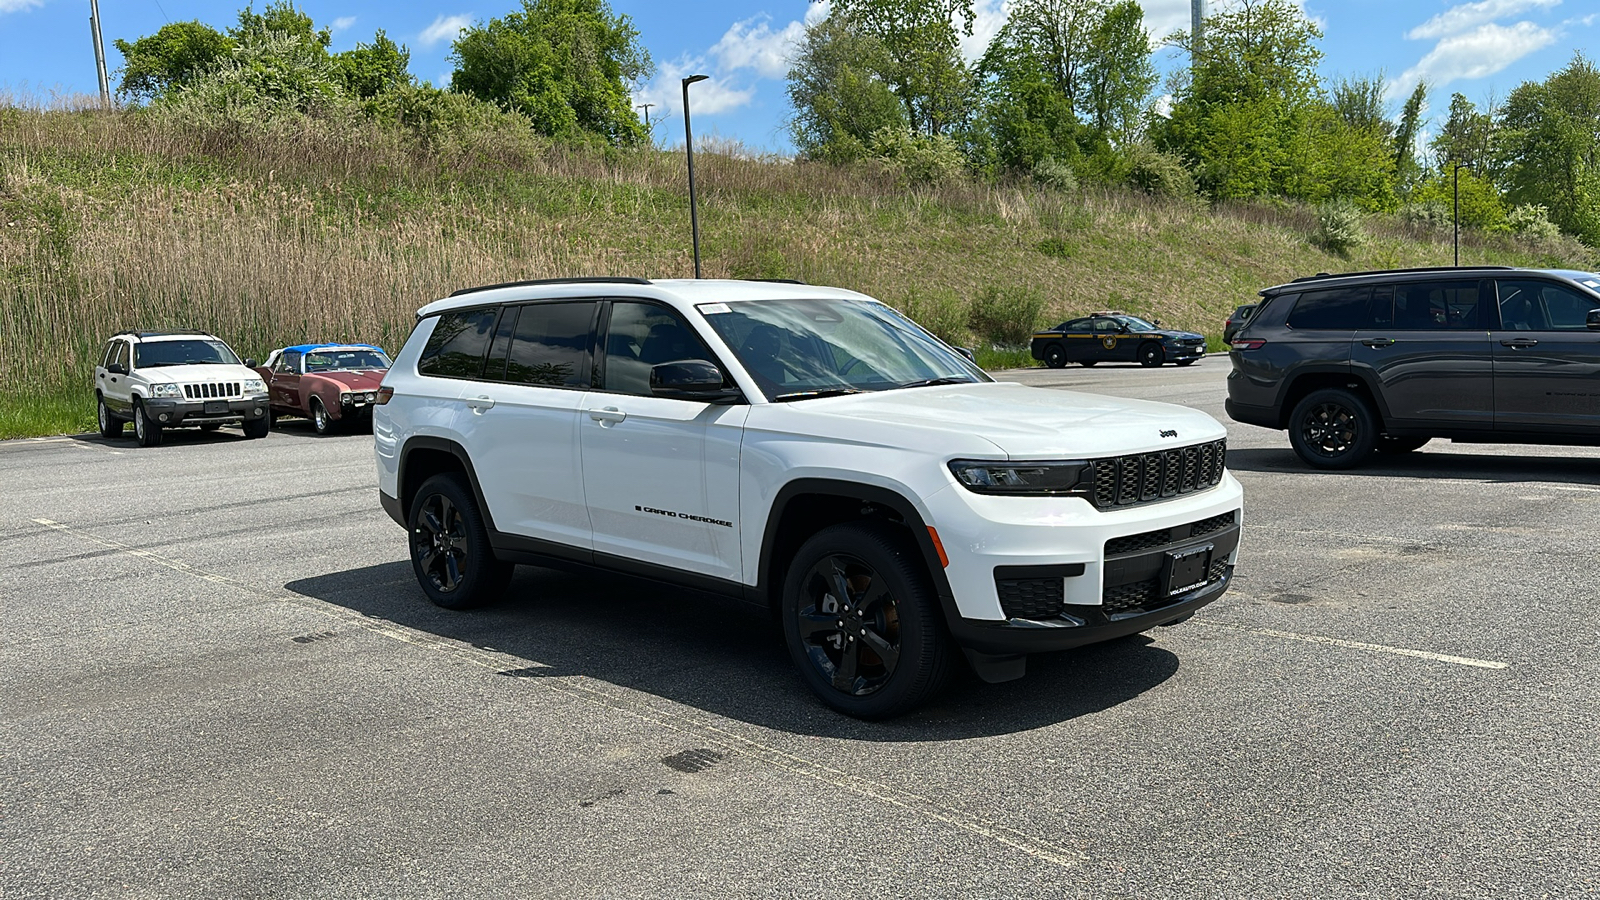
(308, 230)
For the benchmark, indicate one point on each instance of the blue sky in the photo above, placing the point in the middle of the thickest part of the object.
(1483, 49)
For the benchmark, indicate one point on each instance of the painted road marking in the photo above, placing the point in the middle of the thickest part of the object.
(1358, 645)
(625, 701)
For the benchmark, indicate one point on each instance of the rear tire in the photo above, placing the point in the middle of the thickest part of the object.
(1151, 355)
(1055, 356)
(110, 426)
(145, 431)
(862, 622)
(450, 551)
(1332, 429)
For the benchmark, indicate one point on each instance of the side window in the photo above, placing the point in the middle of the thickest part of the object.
(551, 345)
(123, 355)
(109, 354)
(457, 345)
(642, 335)
(1436, 305)
(1078, 325)
(1381, 312)
(1338, 309)
(1533, 305)
(1107, 326)
(289, 363)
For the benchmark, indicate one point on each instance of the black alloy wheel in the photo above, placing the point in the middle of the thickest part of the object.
(450, 551)
(319, 417)
(1332, 429)
(145, 431)
(862, 622)
(1055, 356)
(1151, 355)
(110, 426)
(1387, 444)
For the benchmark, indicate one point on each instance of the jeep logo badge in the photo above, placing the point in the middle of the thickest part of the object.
(1169, 433)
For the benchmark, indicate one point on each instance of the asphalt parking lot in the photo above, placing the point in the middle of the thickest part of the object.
(219, 679)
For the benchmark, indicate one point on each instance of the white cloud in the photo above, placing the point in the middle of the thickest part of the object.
(1476, 54)
(342, 23)
(1469, 16)
(716, 94)
(818, 10)
(989, 17)
(752, 44)
(444, 28)
(10, 6)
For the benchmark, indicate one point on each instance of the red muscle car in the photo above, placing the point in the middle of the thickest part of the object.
(333, 385)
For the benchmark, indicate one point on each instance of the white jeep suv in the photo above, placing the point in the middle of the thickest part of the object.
(162, 380)
(808, 449)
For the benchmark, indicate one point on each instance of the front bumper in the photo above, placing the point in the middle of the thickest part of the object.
(192, 413)
(1182, 353)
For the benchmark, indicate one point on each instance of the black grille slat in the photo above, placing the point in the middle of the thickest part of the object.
(1142, 478)
(1031, 598)
(1207, 526)
(1136, 542)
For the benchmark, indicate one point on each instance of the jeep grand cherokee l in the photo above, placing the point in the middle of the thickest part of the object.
(808, 449)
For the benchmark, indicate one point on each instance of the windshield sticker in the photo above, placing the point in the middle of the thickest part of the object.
(711, 309)
(1593, 284)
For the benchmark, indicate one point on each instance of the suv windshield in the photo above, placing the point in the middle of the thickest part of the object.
(182, 353)
(345, 360)
(796, 349)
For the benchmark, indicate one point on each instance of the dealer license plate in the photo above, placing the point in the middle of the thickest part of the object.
(1187, 568)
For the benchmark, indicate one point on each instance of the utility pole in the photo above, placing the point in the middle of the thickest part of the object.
(1197, 29)
(646, 108)
(99, 54)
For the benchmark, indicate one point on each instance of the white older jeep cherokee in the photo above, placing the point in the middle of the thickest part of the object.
(187, 379)
(805, 448)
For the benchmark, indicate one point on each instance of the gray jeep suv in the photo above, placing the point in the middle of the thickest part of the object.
(1385, 361)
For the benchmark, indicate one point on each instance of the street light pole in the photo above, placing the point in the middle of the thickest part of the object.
(688, 148)
(99, 54)
(1455, 218)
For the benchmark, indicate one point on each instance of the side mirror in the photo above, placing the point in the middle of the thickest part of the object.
(249, 363)
(690, 379)
(967, 352)
(1593, 320)
(120, 369)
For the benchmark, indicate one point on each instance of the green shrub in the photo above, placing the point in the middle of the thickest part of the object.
(1158, 174)
(918, 158)
(1339, 227)
(1434, 214)
(1005, 318)
(1055, 173)
(1531, 222)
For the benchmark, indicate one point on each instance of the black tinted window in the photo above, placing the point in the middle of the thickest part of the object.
(1436, 305)
(1533, 305)
(1338, 309)
(456, 347)
(642, 335)
(1076, 325)
(551, 345)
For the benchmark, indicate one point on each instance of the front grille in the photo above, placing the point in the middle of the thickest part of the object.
(1163, 536)
(1141, 478)
(1031, 598)
(1147, 594)
(212, 390)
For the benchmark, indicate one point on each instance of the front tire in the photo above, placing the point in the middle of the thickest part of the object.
(1055, 356)
(110, 426)
(319, 417)
(450, 551)
(257, 428)
(862, 622)
(1151, 356)
(145, 431)
(1333, 429)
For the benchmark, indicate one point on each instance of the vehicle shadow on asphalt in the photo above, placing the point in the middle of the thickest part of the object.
(1433, 461)
(727, 657)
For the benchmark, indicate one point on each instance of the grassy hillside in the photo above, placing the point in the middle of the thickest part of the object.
(295, 232)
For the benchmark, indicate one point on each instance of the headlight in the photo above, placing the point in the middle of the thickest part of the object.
(165, 390)
(371, 396)
(344, 398)
(1042, 477)
(254, 386)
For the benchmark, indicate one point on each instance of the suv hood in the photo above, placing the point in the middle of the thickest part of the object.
(1023, 422)
(200, 372)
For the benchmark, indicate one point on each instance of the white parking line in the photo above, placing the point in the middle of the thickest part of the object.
(1358, 645)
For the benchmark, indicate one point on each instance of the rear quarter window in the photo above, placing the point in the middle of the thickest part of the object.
(458, 344)
(1335, 309)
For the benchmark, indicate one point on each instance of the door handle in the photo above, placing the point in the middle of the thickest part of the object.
(608, 416)
(1379, 343)
(479, 404)
(1519, 342)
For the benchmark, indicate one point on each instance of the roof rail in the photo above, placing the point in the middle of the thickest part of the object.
(778, 280)
(1321, 275)
(600, 279)
(144, 334)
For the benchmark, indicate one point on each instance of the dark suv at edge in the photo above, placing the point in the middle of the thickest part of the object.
(1385, 361)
